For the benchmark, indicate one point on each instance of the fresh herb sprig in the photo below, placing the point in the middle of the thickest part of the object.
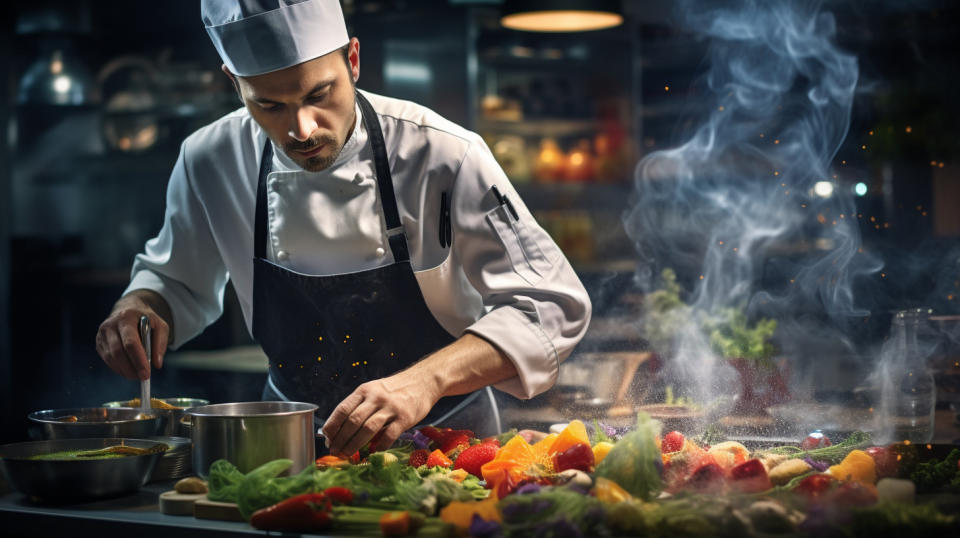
(833, 454)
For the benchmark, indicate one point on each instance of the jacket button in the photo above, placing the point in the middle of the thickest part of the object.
(282, 255)
(358, 179)
(380, 252)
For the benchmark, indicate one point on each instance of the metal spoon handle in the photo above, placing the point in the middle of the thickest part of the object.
(145, 338)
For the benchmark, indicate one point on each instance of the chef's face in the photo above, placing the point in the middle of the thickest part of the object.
(308, 109)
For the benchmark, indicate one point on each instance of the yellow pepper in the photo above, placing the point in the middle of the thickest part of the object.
(858, 466)
(609, 491)
(459, 513)
(600, 451)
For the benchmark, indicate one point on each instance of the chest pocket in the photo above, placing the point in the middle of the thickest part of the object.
(527, 257)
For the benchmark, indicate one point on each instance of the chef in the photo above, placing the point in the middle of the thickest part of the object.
(381, 257)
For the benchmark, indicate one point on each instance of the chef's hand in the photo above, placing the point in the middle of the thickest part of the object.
(390, 406)
(118, 339)
(384, 407)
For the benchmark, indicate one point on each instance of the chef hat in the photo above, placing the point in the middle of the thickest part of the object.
(259, 36)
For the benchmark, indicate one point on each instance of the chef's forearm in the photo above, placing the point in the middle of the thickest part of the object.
(468, 364)
(152, 300)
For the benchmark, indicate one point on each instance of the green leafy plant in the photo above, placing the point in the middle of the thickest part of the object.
(731, 336)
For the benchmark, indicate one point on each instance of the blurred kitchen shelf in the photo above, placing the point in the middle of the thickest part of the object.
(247, 359)
(538, 128)
(581, 195)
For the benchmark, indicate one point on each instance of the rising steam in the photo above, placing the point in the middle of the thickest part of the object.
(735, 208)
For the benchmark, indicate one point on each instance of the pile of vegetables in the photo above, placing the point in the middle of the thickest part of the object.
(442, 482)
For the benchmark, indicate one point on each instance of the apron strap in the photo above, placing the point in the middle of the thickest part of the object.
(388, 201)
(260, 221)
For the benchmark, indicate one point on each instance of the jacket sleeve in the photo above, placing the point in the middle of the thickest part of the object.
(182, 263)
(536, 308)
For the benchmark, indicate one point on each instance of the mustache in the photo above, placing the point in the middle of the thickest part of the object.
(310, 144)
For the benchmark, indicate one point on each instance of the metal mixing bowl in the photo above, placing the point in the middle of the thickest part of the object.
(97, 422)
(173, 426)
(76, 479)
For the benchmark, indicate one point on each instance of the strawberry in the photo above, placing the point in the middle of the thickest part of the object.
(438, 459)
(451, 443)
(418, 457)
(447, 439)
(672, 442)
(472, 458)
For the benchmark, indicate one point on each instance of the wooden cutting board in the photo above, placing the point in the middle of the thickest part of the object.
(204, 508)
(178, 504)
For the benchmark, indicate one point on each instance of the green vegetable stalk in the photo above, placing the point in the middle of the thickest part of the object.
(635, 462)
(833, 454)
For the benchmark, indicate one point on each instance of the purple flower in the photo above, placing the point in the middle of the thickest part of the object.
(559, 528)
(529, 487)
(418, 439)
(819, 466)
(514, 511)
(481, 528)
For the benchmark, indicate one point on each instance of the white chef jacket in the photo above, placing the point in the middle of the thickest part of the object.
(503, 279)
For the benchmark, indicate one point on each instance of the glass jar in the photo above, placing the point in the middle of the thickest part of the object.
(915, 391)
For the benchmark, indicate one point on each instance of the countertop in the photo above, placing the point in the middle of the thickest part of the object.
(131, 515)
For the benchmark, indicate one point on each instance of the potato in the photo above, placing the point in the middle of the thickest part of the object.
(191, 484)
(788, 470)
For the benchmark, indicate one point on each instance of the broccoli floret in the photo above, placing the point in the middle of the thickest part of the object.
(934, 475)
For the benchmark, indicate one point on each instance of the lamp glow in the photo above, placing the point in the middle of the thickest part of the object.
(823, 189)
(860, 189)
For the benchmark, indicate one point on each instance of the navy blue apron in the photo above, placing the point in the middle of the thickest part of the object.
(325, 335)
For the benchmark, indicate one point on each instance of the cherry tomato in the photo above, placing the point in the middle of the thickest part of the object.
(579, 456)
(814, 487)
(885, 460)
(672, 442)
(855, 493)
(816, 439)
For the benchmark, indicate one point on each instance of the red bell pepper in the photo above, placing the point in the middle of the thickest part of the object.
(708, 478)
(308, 512)
(750, 477)
(339, 495)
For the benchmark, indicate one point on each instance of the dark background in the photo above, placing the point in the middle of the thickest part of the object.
(75, 209)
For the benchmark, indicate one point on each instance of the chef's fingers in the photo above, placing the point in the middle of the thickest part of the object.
(370, 429)
(130, 336)
(388, 435)
(160, 332)
(333, 423)
(114, 355)
(358, 428)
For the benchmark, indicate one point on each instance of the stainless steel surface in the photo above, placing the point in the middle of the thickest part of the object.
(176, 424)
(75, 479)
(97, 422)
(145, 339)
(177, 461)
(248, 434)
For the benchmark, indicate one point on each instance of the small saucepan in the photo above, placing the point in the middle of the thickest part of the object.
(249, 434)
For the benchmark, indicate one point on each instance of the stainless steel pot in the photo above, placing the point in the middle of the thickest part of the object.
(97, 422)
(249, 434)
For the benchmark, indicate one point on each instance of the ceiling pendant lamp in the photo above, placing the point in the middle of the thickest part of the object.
(561, 15)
